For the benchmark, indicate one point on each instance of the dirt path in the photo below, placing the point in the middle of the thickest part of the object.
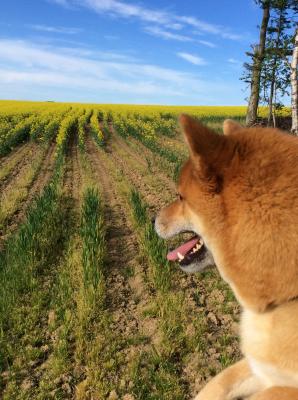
(21, 149)
(176, 144)
(40, 372)
(155, 186)
(127, 294)
(44, 173)
(16, 163)
(141, 156)
(207, 298)
(73, 175)
(119, 141)
(37, 304)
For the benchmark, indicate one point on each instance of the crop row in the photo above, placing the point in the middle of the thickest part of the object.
(34, 278)
(45, 125)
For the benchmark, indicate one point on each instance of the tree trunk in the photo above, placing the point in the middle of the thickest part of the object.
(259, 53)
(294, 86)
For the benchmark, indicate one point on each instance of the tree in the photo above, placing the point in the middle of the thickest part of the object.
(277, 48)
(294, 86)
(269, 74)
(256, 67)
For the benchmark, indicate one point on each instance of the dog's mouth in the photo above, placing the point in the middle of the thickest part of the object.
(188, 252)
(192, 255)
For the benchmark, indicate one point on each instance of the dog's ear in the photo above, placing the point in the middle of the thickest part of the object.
(206, 147)
(230, 126)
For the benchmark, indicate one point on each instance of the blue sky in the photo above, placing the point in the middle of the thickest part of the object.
(118, 51)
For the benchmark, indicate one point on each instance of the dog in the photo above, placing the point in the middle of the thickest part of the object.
(238, 193)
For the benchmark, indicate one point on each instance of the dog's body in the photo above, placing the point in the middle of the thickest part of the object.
(239, 192)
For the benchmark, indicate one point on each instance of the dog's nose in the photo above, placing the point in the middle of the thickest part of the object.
(153, 220)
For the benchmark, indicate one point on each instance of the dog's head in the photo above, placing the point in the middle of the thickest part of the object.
(238, 194)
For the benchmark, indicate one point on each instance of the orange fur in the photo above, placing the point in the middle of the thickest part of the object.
(277, 393)
(240, 193)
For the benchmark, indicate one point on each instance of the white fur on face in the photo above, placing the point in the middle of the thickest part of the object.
(168, 228)
(198, 266)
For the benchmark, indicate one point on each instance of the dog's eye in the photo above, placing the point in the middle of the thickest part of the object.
(180, 197)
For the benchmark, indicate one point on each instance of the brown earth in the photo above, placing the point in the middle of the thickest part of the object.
(126, 290)
(71, 192)
(22, 148)
(41, 178)
(121, 240)
(203, 299)
(72, 179)
(210, 310)
(31, 374)
(154, 185)
(26, 154)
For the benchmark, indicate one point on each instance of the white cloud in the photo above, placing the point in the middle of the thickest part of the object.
(207, 43)
(120, 8)
(193, 59)
(167, 19)
(111, 37)
(156, 31)
(231, 36)
(32, 63)
(60, 2)
(200, 25)
(48, 71)
(55, 29)
(234, 61)
(174, 26)
(213, 29)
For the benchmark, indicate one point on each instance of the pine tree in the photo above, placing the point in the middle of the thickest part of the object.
(280, 45)
(275, 74)
(269, 71)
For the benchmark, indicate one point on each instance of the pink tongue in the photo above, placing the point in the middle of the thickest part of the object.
(183, 249)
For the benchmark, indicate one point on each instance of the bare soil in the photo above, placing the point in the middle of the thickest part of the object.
(71, 192)
(127, 295)
(73, 174)
(155, 186)
(211, 312)
(37, 185)
(27, 153)
(204, 297)
(22, 148)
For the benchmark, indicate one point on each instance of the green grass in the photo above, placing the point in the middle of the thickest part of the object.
(171, 158)
(25, 252)
(155, 378)
(25, 264)
(11, 199)
(93, 238)
(152, 244)
(79, 304)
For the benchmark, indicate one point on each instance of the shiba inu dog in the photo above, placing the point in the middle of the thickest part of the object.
(238, 193)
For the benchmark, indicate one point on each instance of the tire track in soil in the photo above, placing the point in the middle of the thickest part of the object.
(189, 284)
(70, 203)
(72, 180)
(71, 183)
(28, 150)
(177, 145)
(126, 296)
(159, 192)
(119, 141)
(43, 176)
(16, 151)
